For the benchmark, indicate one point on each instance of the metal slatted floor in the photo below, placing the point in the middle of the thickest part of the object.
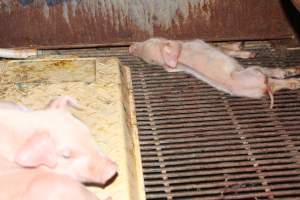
(199, 143)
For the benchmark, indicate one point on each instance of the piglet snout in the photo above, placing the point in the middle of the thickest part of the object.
(106, 170)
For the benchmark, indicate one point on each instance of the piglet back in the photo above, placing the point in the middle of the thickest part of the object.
(13, 106)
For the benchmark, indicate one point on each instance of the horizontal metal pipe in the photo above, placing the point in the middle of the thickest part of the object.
(18, 53)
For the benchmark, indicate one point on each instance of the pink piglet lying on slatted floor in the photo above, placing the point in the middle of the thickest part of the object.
(54, 139)
(216, 66)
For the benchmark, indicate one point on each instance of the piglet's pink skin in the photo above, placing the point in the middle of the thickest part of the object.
(53, 138)
(17, 183)
(216, 68)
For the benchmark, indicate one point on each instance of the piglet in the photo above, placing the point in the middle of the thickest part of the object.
(55, 139)
(214, 67)
(17, 183)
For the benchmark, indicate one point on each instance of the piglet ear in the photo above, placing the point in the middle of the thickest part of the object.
(38, 150)
(63, 102)
(170, 52)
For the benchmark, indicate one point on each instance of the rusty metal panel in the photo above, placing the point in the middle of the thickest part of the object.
(63, 23)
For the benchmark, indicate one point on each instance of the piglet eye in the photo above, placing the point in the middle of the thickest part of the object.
(66, 154)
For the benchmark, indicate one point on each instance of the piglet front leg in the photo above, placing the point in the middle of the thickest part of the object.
(235, 50)
(235, 46)
(239, 54)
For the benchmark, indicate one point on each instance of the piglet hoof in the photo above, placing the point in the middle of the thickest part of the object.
(132, 48)
(171, 69)
(289, 73)
(252, 55)
(247, 54)
(63, 102)
(292, 71)
(236, 46)
(293, 85)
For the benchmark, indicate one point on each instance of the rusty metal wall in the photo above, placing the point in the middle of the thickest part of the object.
(63, 23)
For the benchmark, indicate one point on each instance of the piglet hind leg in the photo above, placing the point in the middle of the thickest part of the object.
(277, 84)
(279, 73)
(291, 71)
